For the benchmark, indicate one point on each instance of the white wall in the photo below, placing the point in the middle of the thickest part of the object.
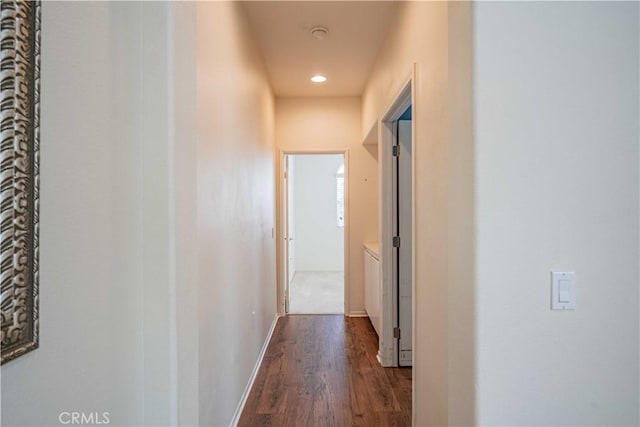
(326, 123)
(461, 291)
(184, 213)
(556, 134)
(117, 219)
(319, 240)
(235, 172)
(422, 33)
(547, 179)
(157, 263)
(132, 311)
(91, 284)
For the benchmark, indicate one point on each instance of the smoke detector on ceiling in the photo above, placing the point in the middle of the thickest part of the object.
(319, 33)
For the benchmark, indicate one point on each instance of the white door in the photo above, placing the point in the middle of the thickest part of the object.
(291, 228)
(404, 224)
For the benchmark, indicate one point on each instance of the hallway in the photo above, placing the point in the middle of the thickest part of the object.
(157, 277)
(322, 371)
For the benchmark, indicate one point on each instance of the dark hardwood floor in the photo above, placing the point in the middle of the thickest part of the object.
(322, 371)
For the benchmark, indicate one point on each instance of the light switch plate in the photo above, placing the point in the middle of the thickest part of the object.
(563, 290)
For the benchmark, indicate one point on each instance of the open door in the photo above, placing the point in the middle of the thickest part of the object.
(313, 199)
(403, 244)
(289, 241)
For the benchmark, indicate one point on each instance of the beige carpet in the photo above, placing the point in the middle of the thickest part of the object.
(317, 292)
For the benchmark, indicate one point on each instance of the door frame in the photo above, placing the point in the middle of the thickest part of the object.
(282, 226)
(398, 259)
(405, 97)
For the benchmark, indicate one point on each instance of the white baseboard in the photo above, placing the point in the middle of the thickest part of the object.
(358, 313)
(254, 374)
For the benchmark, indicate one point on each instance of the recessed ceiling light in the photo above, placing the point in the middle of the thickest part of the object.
(318, 79)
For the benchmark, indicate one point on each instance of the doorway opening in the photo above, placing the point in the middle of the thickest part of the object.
(397, 145)
(314, 222)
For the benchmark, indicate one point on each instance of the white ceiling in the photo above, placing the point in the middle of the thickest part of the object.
(282, 31)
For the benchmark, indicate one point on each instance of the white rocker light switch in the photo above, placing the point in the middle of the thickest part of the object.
(563, 290)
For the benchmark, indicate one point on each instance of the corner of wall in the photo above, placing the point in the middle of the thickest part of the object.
(461, 226)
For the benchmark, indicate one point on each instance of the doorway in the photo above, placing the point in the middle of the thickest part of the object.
(397, 263)
(314, 208)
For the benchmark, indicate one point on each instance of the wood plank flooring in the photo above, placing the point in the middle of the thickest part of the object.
(321, 370)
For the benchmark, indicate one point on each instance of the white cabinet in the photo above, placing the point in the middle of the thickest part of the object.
(372, 290)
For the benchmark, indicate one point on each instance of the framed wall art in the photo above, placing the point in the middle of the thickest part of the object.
(19, 175)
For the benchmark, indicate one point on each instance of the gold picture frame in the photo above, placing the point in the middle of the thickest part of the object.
(19, 175)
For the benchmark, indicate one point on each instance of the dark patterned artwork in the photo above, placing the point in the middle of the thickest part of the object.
(19, 175)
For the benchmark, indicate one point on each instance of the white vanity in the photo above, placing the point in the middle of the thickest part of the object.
(372, 289)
